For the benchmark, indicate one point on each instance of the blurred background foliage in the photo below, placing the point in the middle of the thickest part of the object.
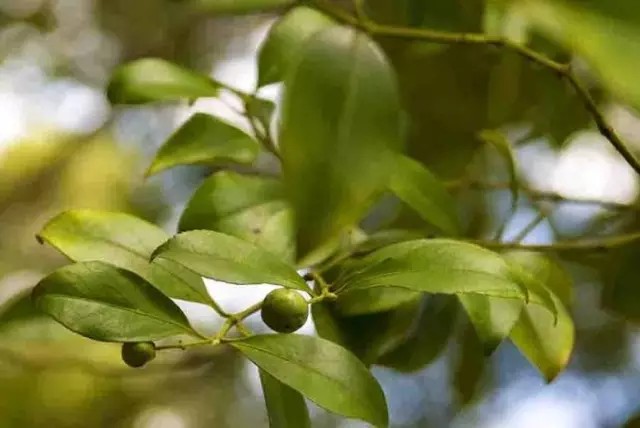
(62, 146)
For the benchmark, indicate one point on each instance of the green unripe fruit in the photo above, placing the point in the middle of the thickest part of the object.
(137, 354)
(284, 310)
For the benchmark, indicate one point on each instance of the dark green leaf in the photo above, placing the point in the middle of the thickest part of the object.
(227, 258)
(248, 207)
(154, 79)
(341, 118)
(124, 241)
(469, 366)
(421, 190)
(207, 140)
(547, 341)
(284, 41)
(492, 317)
(105, 303)
(370, 335)
(322, 371)
(499, 141)
(603, 33)
(241, 6)
(434, 266)
(428, 337)
(285, 406)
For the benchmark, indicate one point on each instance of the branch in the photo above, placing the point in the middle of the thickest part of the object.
(444, 37)
(543, 194)
(578, 245)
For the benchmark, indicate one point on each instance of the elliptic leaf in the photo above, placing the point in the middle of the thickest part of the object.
(416, 186)
(320, 370)
(154, 79)
(340, 120)
(284, 40)
(227, 258)
(124, 241)
(207, 140)
(546, 340)
(105, 303)
(248, 207)
(434, 266)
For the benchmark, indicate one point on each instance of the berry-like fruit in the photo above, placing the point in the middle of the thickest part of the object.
(137, 354)
(284, 310)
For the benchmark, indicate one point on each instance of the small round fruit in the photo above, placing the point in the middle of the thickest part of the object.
(137, 354)
(284, 310)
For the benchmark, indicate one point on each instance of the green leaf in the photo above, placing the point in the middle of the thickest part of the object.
(285, 406)
(427, 338)
(123, 241)
(227, 258)
(322, 371)
(241, 6)
(154, 79)
(340, 120)
(206, 140)
(546, 341)
(284, 41)
(499, 141)
(623, 294)
(434, 266)
(358, 302)
(469, 366)
(421, 190)
(105, 303)
(248, 207)
(603, 33)
(493, 318)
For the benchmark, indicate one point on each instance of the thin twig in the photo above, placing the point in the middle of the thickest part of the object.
(562, 70)
(542, 194)
(577, 245)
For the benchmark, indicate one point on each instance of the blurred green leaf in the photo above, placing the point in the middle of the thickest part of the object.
(383, 238)
(248, 207)
(546, 341)
(340, 120)
(124, 241)
(322, 371)
(427, 338)
(421, 190)
(368, 335)
(240, 6)
(204, 139)
(603, 33)
(284, 41)
(469, 366)
(500, 143)
(227, 258)
(154, 79)
(621, 292)
(434, 266)
(285, 406)
(105, 303)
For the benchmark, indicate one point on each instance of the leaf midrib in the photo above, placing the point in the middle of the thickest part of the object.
(120, 308)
